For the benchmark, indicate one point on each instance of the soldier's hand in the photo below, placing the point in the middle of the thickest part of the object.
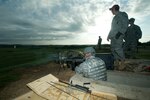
(118, 35)
(107, 39)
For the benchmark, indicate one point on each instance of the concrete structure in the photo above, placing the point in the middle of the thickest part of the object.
(123, 84)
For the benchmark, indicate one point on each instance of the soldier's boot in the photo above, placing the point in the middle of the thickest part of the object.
(116, 64)
(121, 65)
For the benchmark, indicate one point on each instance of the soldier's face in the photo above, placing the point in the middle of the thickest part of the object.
(113, 11)
(87, 55)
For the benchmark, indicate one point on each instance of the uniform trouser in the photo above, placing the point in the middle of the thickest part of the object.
(130, 48)
(117, 48)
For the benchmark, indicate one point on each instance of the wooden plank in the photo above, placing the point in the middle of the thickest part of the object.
(30, 96)
(50, 88)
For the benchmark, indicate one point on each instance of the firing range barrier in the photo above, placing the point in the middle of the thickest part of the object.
(106, 57)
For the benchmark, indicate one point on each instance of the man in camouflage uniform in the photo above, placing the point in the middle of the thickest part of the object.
(132, 36)
(118, 28)
(93, 67)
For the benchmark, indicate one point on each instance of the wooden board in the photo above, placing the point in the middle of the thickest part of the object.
(50, 88)
(30, 96)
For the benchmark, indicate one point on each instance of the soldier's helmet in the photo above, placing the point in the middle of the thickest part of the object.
(89, 50)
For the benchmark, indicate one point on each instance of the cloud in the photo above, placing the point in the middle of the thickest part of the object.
(139, 8)
(41, 19)
(24, 21)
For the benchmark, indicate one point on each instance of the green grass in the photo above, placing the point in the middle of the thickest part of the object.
(11, 59)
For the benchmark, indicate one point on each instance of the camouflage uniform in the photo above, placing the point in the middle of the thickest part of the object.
(119, 24)
(132, 36)
(93, 68)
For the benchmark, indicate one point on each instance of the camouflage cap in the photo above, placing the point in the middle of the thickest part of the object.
(131, 20)
(116, 7)
(89, 50)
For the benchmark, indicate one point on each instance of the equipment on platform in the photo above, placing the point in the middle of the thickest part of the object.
(73, 58)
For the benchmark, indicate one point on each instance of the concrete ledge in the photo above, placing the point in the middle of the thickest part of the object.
(123, 84)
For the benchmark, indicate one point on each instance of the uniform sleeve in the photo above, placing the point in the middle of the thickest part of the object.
(113, 30)
(138, 32)
(81, 68)
(78, 69)
(109, 35)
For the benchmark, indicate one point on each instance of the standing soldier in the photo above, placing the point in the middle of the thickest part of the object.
(99, 42)
(119, 26)
(132, 37)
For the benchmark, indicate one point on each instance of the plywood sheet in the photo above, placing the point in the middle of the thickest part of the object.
(50, 88)
(30, 96)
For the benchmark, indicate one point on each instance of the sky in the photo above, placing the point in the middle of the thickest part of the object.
(66, 22)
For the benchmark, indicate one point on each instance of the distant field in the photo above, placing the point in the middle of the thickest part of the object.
(28, 56)
(143, 53)
(24, 56)
(13, 58)
(10, 56)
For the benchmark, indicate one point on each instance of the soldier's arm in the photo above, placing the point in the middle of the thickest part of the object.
(139, 32)
(80, 69)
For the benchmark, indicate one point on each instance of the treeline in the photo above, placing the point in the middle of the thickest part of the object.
(44, 46)
(61, 46)
(144, 44)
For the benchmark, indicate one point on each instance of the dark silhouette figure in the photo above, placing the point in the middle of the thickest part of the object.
(99, 42)
(132, 36)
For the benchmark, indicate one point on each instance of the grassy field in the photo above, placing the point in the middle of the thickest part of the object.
(28, 56)
(24, 56)
(143, 53)
(13, 58)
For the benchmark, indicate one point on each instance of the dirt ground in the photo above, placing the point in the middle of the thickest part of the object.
(30, 74)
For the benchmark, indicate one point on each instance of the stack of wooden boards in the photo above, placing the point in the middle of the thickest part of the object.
(50, 88)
